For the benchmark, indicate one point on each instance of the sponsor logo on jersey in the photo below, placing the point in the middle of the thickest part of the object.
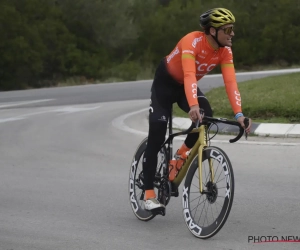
(205, 67)
(229, 49)
(188, 52)
(174, 53)
(194, 90)
(238, 98)
(196, 40)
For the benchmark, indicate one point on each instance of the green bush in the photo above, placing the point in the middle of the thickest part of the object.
(275, 98)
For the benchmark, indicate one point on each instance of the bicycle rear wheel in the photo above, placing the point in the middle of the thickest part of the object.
(136, 181)
(206, 213)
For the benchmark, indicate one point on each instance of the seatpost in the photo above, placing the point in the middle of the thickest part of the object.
(171, 123)
(171, 132)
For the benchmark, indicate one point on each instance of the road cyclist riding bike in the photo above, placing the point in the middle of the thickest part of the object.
(175, 81)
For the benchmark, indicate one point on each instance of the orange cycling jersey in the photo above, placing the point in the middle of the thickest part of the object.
(193, 57)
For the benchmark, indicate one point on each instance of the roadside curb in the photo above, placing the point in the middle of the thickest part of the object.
(259, 129)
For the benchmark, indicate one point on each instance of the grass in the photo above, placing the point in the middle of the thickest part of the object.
(274, 99)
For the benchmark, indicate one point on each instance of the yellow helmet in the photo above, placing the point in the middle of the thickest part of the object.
(216, 18)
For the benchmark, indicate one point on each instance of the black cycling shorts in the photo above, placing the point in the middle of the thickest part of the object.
(166, 91)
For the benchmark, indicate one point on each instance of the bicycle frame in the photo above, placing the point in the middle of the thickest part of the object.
(198, 148)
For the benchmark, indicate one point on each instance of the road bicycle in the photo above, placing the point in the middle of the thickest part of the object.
(208, 188)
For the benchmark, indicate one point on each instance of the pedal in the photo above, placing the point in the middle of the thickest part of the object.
(159, 211)
(174, 190)
(175, 193)
(142, 196)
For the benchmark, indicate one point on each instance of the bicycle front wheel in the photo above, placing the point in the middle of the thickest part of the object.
(205, 213)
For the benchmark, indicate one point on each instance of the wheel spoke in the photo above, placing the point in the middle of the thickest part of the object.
(220, 180)
(198, 203)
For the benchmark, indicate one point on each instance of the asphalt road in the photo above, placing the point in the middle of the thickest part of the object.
(65, 167)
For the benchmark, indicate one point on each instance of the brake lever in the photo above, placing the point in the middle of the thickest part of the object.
(197, 123)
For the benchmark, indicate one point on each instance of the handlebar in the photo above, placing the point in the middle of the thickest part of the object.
(206, 119)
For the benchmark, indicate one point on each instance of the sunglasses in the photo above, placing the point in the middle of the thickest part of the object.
(227, 30)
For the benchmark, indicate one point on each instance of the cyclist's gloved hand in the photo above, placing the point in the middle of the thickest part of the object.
(241, 121)
(194, 113)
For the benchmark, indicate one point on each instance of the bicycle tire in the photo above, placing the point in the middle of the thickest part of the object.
(136, 191)
(191, 193)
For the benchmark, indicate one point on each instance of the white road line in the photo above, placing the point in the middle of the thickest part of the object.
(11, 119)
(120, 124)
(13, 104)
(71, 109)
(60, 111)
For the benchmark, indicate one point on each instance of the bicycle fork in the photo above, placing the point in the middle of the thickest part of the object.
(203, 144)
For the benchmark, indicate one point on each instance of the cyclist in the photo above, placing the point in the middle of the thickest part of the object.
(175, 80)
